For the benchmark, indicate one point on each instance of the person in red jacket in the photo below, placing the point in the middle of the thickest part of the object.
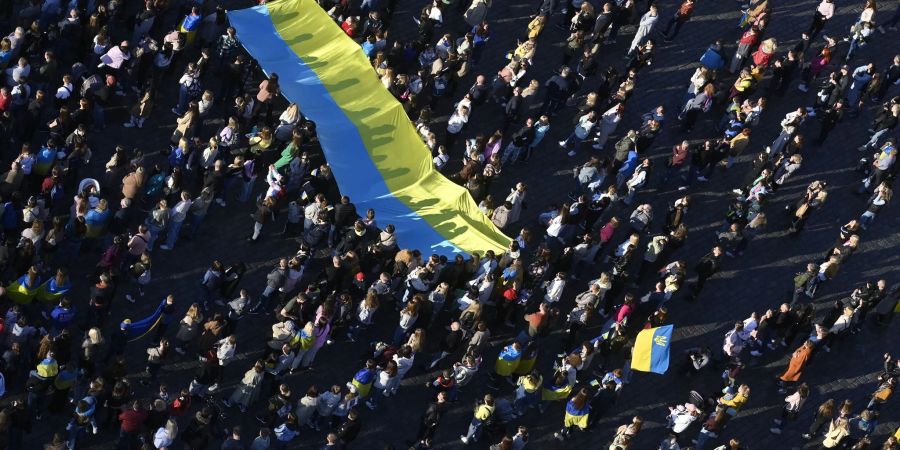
(132, 423)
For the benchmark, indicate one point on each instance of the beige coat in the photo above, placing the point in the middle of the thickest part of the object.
(132, 184)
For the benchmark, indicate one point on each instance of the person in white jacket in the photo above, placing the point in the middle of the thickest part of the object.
(681, 417)
(555, 288)
(404, 361)
(609, 121)
(384, 382)
(164, 438)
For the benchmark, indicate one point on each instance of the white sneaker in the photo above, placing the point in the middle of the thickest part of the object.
(213, 387)
(464, 439)
(562, 143)
(682, 188)
(571, 153)
(165, 247)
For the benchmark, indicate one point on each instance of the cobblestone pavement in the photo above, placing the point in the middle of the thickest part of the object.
(758, 280)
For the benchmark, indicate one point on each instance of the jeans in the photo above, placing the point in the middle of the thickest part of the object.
(779, 143)
(127, 440)
(183, 98)
(527, 401)
(375, 398)
(573, 141)
(854, 45)
(673, 22)
(474, 431)
(693, 173)
(196, 220)
(702, 437)
(866, 219)
(74, 433)
(154, 235)
(670, 170)
(246, 191)
(264, 298)
(511, 153)
(172, 233)
(310, 355)
(99, 117)
(400, 335)
(873, 141)
(437, 359)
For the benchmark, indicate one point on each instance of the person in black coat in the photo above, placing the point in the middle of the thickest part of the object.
(432, 418)
(348, 430)
(829, 119)
(706, 268)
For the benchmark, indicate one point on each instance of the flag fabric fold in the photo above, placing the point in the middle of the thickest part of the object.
(375, 153)
(139, 329)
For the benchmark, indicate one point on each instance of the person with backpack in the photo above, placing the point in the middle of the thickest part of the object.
(482, 417)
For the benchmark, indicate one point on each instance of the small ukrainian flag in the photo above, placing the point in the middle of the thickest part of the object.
(651, 350)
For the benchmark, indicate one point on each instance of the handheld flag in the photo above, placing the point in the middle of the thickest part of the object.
(139, 329)
(651, 350)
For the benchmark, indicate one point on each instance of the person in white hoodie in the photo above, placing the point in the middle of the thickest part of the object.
(609, 121)
(404, 361)
(555, 288)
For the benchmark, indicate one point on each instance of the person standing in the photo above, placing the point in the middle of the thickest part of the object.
(792, 405)
(582, 130)
(829, 119)
(484, 411)
(679, 19)
(177, 215)
(431, 419)
(645, 27)
(706, 268)
(795, 367)
(824, 12)
(609, 121)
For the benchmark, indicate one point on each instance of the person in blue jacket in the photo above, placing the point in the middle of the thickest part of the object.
(62, 316)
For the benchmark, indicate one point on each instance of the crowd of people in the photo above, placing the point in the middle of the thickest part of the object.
(565, 345)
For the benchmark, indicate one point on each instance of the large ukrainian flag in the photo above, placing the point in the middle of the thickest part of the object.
(373, 149)
(651, 350)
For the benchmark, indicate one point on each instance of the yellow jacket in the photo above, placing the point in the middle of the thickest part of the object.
(482, 412)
